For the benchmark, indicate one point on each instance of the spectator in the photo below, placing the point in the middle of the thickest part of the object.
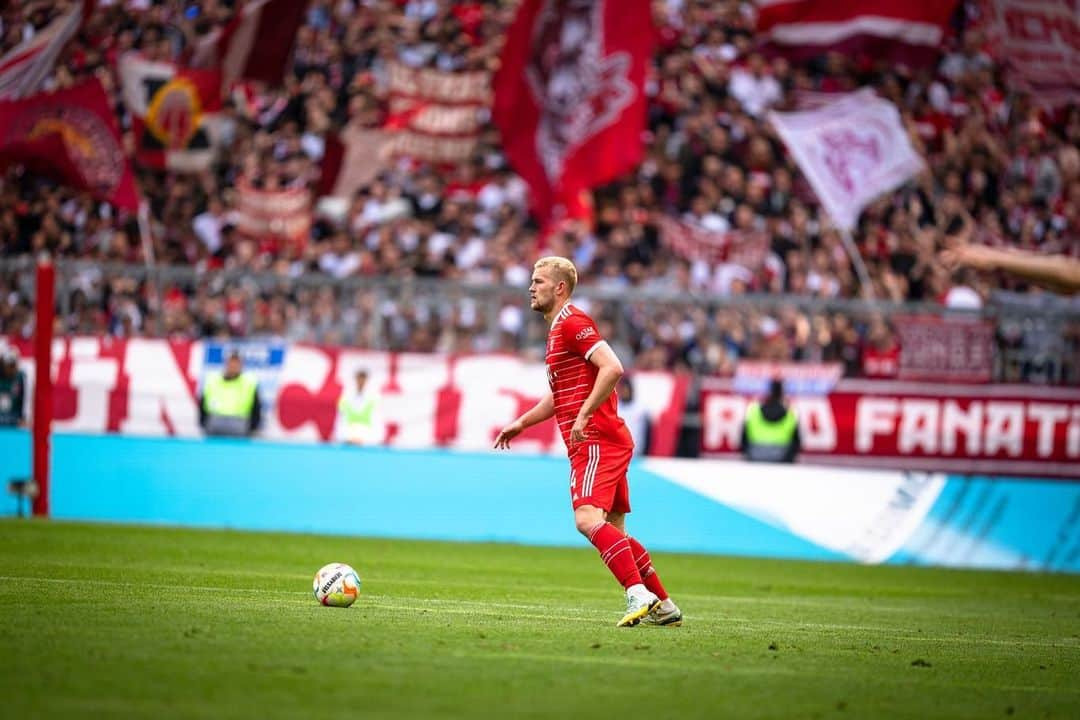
(12, 390)
(771, 429)
(360, 413)
(229, 404)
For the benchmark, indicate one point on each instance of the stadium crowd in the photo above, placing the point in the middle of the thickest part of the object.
(1001, 171)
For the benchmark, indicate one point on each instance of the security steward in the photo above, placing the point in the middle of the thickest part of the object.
(230, 401)
(771, 430)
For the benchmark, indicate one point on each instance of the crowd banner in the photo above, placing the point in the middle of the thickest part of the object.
(945, 349)
(1037, 42)
(150, 387)
(446, 111)
(985, 429)
(907, 33)
(283, 213)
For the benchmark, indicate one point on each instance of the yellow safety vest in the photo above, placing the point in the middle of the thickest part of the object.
(769, 440)
(360, 413)
(230, 398)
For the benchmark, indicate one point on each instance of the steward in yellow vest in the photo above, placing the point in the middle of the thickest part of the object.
(359, 413)
(230, 401)
(771, 430)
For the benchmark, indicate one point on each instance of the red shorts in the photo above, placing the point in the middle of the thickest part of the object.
(598, 476)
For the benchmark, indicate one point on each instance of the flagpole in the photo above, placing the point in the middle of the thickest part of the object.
(147, 241)
(860, 267)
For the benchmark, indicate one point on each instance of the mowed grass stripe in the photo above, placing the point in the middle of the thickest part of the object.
(535, 611)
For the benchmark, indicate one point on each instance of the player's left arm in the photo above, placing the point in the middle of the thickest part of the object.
(609, 370)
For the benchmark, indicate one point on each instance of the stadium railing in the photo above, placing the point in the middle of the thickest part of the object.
(1035, 337)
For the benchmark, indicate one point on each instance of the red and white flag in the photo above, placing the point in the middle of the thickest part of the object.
(903, 31)
(70, 135)
(354, 157)
(172, 110)
(254, 45)
(569, 95)
(1039, 43)
(24, 69)
(850, 150)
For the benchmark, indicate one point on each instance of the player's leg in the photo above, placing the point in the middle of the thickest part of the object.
(609, 541)
(594, 479)
(667, 613)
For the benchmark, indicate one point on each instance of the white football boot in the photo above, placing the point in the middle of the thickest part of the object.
(639, 603)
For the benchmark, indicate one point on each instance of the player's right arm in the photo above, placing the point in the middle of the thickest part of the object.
(537, 414)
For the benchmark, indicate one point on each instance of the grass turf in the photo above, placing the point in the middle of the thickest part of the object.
(116, 621)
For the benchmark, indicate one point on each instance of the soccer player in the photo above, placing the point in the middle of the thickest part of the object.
(582, 373)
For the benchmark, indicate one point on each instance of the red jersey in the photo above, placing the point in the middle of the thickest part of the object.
(572, 339)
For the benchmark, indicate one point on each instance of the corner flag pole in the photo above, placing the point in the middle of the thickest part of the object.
(45, 311)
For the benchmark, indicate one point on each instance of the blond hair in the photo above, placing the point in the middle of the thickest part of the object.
(561, 268)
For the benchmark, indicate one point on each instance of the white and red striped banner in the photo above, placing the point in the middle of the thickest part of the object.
(907, 31)
(149, 387)
(442, 112)
(284, 213)
(24, 69)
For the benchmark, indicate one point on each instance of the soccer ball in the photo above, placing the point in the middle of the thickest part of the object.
(336, 585)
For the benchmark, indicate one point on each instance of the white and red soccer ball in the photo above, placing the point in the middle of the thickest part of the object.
(336, 585)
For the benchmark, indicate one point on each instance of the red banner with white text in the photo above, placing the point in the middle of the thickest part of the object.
(987, 429)
(149, 387)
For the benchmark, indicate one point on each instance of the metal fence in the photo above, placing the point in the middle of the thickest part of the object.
(1035, 337)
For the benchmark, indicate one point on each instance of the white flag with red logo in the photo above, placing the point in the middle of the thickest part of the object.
(24, 69)
(173, 113)
(850, 150)
(903, 31)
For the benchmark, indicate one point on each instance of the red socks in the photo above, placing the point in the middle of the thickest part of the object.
(645, 568)
(615, 551)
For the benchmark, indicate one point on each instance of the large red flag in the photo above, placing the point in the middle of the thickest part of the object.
(569, 95)
(254, 45)
(70, 135)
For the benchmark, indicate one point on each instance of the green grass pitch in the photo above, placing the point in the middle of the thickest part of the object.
(113, 621)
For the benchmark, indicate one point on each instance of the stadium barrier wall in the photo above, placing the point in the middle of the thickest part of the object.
(150, 387)
(698, 506)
